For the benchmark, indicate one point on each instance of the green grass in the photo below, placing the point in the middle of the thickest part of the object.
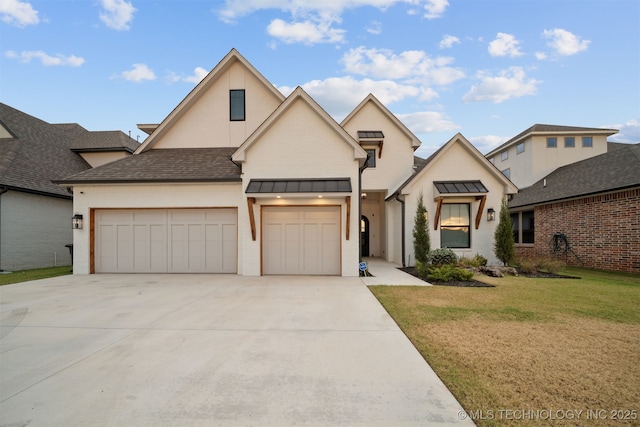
(35, 274)
(527, 342)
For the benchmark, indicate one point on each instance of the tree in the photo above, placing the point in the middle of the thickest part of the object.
(421, 238)
(504, 245)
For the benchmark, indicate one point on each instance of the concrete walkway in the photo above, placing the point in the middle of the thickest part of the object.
(387, 273)
(210, 350)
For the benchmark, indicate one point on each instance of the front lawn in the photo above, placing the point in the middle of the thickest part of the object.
(528, 344)
(35, 274)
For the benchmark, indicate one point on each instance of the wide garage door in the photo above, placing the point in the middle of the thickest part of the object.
(301, 240)
(166, 241)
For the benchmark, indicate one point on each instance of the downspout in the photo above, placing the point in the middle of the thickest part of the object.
(402, 226)
(2, 191)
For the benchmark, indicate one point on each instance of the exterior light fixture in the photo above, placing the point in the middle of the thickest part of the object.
(363, 195)
(76, 222)
(426, 215)
(491, 214)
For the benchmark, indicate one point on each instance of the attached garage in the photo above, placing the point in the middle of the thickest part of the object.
(166, 240)
(301, 240)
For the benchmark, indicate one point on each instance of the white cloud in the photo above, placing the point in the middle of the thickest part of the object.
(448, 41)
(339, 95)
(412, 64)
(199, 73)
(564, 42)
(435, 8)
(375, 28)
(117, 14)
(428, 122)
(312, 21)
(629, 131)
(541, 56)
(306, 32)
(486, 143)
(18, 13)
(139, 73)
(505, 45)
(510, 83)
(46, 59)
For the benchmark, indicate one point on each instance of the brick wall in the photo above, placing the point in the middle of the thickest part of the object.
(603, 231)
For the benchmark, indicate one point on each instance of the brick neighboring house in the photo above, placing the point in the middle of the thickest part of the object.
(591, 206)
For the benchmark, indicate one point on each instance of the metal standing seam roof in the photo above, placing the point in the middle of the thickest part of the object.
(321, 185)
(370, 134)
(457, 187)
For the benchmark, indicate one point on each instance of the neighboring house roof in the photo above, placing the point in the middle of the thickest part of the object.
(299, 94)
(542, 129)
(38, 153)
(422, 166)
(166, 165)
(615, 170)
(415, 142)
(232, 57)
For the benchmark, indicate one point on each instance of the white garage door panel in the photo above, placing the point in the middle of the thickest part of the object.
(161, 241)
(301, 240)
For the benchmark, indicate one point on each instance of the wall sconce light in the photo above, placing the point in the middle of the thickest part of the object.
(426, 215)
(363, 195)
(491, 214)
(76, 222)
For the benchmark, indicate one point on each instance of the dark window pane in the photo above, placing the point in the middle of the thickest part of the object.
(454, 226)
(515, 220)
(527, 227)
(371, 159)
(237, 105)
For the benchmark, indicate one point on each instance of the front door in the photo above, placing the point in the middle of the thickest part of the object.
(364, 235)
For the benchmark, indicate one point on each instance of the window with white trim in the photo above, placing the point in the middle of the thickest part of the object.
(455, 230)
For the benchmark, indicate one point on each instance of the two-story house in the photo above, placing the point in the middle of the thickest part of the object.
(240, 179)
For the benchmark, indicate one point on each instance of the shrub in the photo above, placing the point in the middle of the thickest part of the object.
(477, 261)
(422, 268)
(421, 237)
(532, 265)
(504, 245)
(527, 265)
(442, 256)
(448, 272)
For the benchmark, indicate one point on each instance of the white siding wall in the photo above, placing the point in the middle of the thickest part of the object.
(34, 230)
(99, 159)
(207, 124)
(153, 196)
(396, 163)
(456, 164)
(298, 146)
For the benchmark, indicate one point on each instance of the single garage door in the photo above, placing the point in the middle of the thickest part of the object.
(166, 241)
(301, 240)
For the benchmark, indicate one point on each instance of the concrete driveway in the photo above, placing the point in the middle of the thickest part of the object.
(189, 350)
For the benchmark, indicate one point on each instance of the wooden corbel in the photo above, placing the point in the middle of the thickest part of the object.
(252, 219)
(348, 200)
(436, 220)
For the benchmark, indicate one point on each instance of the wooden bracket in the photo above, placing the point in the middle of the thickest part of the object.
(348, 200)
(483, 200)
(252, 219)
(436, 220)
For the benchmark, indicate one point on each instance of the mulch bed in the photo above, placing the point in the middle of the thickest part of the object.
(470, 284)
(477, 284)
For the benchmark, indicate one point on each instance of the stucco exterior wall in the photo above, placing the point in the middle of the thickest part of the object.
(296, 146)
(34, 230)
(466, 168)
(87, 197)
(396, 162)
(603, 231)
(207, 124)
(99, 159)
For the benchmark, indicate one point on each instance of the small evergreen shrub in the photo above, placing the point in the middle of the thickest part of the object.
(480, 260)
(449, 272)
(422, 268)
(442, 256)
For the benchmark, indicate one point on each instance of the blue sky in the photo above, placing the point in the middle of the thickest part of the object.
(486, 68)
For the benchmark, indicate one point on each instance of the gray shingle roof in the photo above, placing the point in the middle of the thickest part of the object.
(615, 170)
(38, 153)
(165, 165)
(110, 140)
